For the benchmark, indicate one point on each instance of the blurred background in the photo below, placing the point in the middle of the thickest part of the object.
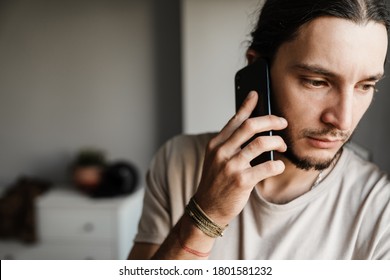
(122, 76)
(100, 73)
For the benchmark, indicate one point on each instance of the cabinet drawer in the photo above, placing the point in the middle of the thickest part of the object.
(70, 251)
(10, 250)
(75, 224)
(57, 251)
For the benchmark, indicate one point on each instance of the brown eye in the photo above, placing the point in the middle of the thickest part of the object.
(315, 83)
(367, 87)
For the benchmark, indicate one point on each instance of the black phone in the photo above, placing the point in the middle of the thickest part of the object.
(256, 77)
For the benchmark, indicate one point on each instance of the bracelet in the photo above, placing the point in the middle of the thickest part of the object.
(202, 221)
(191, 251)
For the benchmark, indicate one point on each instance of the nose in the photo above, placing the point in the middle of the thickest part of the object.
(339, 112)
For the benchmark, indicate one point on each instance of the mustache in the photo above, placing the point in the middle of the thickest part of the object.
(334, 133)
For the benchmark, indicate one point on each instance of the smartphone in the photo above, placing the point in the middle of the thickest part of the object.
(256, 77)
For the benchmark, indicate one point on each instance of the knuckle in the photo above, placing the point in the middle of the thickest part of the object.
(260, 142)
(230, 168)
(269, 118)
(249, 125)
(240, 180)
(272, 167)
(211, 144)
(268, 142)
(220, 154)
(274, 122)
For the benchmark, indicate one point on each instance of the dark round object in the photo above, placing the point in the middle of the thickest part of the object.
(118, 178)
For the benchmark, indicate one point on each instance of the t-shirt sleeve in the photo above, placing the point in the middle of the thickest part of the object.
(154, 224)
(172, 179)
(382, 251)
(382, 245)
(382, 224)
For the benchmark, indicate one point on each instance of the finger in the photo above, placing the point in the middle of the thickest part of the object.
(258, 146)
(263, 171)
(249, 128)
(249, 177)
(242, 114)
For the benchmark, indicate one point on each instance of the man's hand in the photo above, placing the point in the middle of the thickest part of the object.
(228, 178)
(226, 183)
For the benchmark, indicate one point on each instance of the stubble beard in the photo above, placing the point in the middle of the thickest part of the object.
(307, 162)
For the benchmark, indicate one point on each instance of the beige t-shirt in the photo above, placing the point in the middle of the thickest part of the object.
(347, 216)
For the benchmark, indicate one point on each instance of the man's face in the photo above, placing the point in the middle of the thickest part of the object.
(323, 82)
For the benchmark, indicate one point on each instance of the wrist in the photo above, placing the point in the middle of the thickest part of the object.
(202, 220)
(192, 238)
(212, 211)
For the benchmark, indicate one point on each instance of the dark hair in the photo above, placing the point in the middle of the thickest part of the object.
(280, 20)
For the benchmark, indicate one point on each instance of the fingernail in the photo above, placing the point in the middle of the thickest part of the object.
(283, 120)
(279, 164)
(251, 94)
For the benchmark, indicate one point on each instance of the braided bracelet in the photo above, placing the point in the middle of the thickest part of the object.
(202, 221)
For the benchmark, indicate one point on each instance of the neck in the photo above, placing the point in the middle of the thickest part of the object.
(292, 183)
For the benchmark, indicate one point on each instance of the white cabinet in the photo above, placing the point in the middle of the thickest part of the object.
(73, 226)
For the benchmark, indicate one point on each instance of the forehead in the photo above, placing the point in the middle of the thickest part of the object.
(340, 45)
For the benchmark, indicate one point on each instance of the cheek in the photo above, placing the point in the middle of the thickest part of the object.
(291, 102)
(291, 105)
(360, 107)
(281, 97)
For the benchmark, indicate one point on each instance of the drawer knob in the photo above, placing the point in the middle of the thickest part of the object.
(88, 227)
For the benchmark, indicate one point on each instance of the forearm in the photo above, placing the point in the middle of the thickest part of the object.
(185, 241)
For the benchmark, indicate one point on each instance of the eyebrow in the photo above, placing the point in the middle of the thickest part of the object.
(316, 69)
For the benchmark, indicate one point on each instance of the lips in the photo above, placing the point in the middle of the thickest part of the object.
(324, 143)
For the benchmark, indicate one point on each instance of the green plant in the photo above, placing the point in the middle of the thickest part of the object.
(89, 157)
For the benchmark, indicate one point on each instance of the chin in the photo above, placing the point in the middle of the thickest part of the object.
(312, 160)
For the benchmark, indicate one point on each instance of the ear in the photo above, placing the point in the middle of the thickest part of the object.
(251, 55)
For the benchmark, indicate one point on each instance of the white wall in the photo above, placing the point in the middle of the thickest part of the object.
(75, 74)
(215, 37)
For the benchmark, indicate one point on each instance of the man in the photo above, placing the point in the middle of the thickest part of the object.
(316, 200)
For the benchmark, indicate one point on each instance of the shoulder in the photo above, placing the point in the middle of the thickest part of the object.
(365, 187)
(180, 156)
(188, 147)
(365, 173)
(189, 141)
(368, 195)
(360, 185)
(175, 171)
